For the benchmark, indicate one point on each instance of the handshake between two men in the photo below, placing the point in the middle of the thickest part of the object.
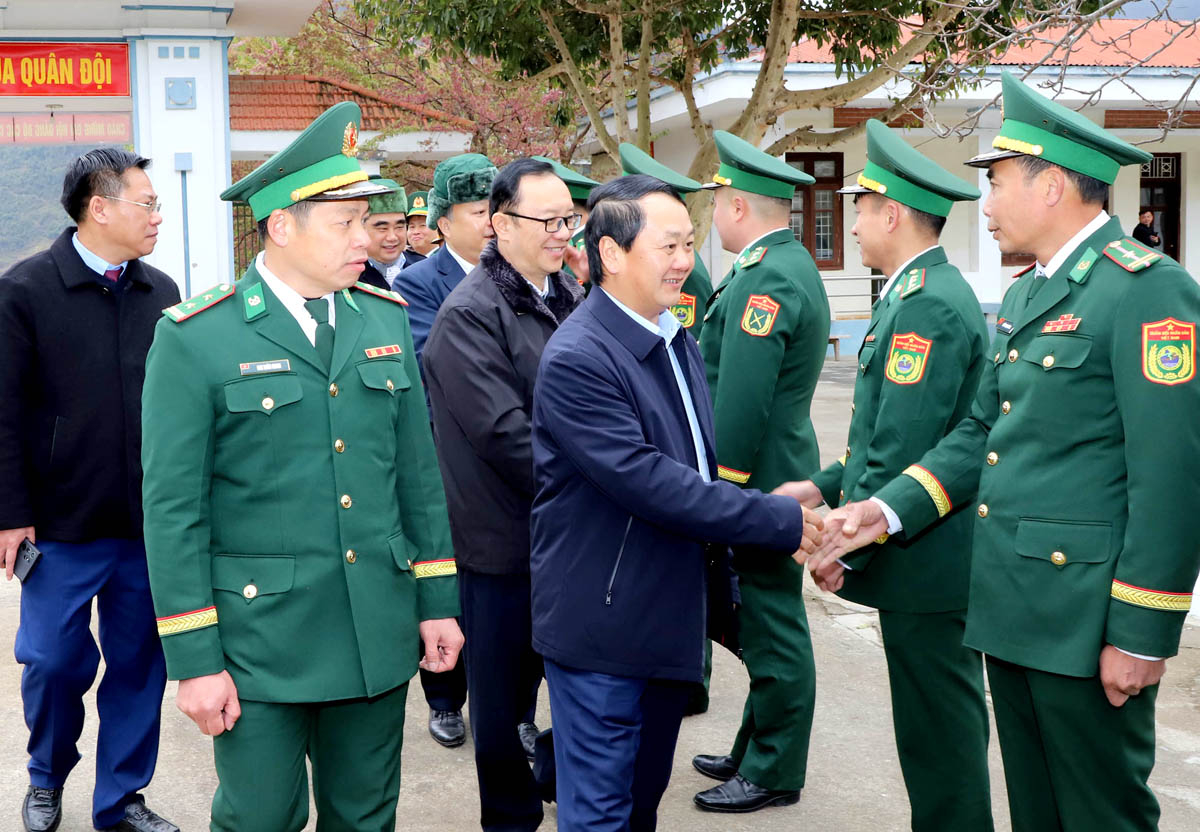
(842, 531)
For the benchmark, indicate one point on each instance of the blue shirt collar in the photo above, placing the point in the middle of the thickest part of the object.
(94, 261)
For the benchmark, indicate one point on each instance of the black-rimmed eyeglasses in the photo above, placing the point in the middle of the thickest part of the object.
(552, 223)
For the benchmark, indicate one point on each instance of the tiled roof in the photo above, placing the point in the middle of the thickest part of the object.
(291, 102)
(1108, 43)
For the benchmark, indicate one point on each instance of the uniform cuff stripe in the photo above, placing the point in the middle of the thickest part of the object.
(1151, 599)
(186, 621)
(733, 475)
(933, 487)
(435, 568)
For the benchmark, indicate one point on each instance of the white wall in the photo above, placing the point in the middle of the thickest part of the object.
(204, 133)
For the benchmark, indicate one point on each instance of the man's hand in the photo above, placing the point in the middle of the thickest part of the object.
(848, 528)
(1124, 676)
(813, 526)
(830, 577)
(10, 542)
(805, 493)
(210, 701)
(576, 258)
(443, 642)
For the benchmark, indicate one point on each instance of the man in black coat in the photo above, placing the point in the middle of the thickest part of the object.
(76, 323)
(481, 360)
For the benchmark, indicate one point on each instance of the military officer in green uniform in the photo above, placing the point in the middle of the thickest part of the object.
(1082, 457)
(580, 188)
(296, 526)
(918, 370)
(693, 298)
(764, 342)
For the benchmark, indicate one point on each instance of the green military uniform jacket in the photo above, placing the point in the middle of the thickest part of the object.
(693, 299)
(296, 527)
(766, 332)
(1084, 448)
(918, 370)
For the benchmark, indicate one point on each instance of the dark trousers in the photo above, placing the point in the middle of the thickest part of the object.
(353, 746)
(54, 642)
(940, 716)
(445, 691)
(503, 673)
(614, 739)
(1073, 762)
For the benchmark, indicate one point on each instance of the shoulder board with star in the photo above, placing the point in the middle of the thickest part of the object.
(198, 303)
(1131, 255)
(912, 282)
(386, 294)
(751, 257)
(1025, 271)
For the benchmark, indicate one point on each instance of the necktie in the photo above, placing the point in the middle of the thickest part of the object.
(319, 309)
(1040, 278)
(113, 274)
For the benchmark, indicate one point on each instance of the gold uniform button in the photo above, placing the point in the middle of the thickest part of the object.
(847, 452)
(333, 389)
(983, 510)
(339, 445)
(1058, 558)
(1048, 361)
(249, 591)
(346, 501)
(268, 403)
(993, 458)
(390, 386)
(351, 556)
(997, 358)
(1012, 355)
(410, 564)
(1006, 407)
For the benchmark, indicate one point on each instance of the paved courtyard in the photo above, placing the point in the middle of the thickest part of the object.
(854, 782)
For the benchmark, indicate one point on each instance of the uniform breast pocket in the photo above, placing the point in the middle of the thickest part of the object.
(267, 394)
(865, 356)
(384, 374)
(1058, 352)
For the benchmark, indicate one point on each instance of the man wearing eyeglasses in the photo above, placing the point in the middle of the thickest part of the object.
(76, 323)
(481, 361)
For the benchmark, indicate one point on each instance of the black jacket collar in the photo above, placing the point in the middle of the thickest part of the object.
(517, 291)
(74, 272)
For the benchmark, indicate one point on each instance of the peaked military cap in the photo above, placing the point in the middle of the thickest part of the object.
(392, 202)
(418, 204)
(634, 160)
(899, 171)
(745, 167)
(578, 184)
(320, 164)
(463, 178)
(1034, 125)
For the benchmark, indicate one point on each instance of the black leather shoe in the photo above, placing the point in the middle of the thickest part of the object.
(528, 732)
(717, 767)
(139, 818)
(42, 809)
(740, 795)
(447, 728)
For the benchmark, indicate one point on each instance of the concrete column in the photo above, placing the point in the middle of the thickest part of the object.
(986, 275)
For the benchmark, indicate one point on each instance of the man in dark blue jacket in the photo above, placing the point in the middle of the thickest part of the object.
(627, 500)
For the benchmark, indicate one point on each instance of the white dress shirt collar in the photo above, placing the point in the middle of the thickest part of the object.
(891, 281)
(1060, 257)
(466, 267)
(292, 300)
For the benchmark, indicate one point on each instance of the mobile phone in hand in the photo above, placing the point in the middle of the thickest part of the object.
(28, 556)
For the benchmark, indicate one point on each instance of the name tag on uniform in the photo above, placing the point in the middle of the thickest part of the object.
(380, 352)
(1004, 327)
(253, 368)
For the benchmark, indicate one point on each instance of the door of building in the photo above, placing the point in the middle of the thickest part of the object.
(1160, 193)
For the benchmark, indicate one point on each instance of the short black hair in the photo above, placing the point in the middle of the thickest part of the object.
(1091, 190)
(97, 173)
(1145, 209)
(617, 213)
(932, 223)
(299, 210)
(506, 187)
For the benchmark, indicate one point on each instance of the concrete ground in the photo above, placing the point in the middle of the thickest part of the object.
(854, 779)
